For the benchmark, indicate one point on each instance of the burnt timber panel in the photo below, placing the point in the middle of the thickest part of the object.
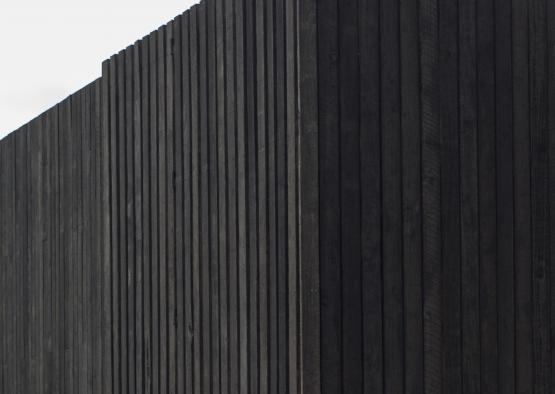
(436, 196)
(291, 196)
(51, 249)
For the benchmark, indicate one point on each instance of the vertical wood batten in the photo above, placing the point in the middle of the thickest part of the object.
(522, 199)
(469, 210)
(539, 170)
(291, 196)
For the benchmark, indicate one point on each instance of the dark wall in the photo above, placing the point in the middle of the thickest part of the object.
(292, 196)
(50, 282)
(150, 238)
(437, 226)
(201, 118)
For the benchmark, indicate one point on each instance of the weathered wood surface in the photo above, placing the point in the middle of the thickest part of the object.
(292, 196)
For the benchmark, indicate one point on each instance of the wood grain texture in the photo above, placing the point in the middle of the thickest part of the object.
(291, 196)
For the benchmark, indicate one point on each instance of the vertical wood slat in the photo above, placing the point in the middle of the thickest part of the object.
(469, 208)
(256, 174)
(128, 282)
(539, 174)
(170, 187)
(487, 198)
(261, 153)
(195, 203)
(180, 248)
(522, 203)
(153, 213)
(114, 230)
(213, 193)
(162, 132)
(138, 219)
(232, 222)
(188, 327)
(223, 171)
(550, 12)
(145, 336)
(505, 201)
(292, 282)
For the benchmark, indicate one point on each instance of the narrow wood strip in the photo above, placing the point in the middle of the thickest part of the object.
(522, 236)
(138, 216)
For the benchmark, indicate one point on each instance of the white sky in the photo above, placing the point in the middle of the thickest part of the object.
(52, 48)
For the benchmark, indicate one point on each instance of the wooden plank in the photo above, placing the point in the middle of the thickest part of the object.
(76, 253)
(46, 298)
(97, 264)
(550, 12)
(86, 365)
(309, 199)
(261, 155)
(431, 225)
(188, 326)
(138, 217)
(222, 230)
(154, 211)
(88, 190)
(349, 207)
(487, 198)
(242, 242)
(450, 198)
(281, 190)
(370, 206)
(21, 259)
(539, 177)
(66, 214)
(75, 147)
(232, 222)
(470, 263)
(505, 203)
(45, 275)
(170, 196)
(122, 219)
(115, 230)
(145, 213)
(162, 131)
(213, 191)
(392, 201)
(26, 265)
(291, 24)
(179, 305)
(57, 282)
(129, 242)
(12, 278)
(241, 139)
(522, 234)
(41, 235)
(19, 256)
(251, 195)
(8, 205)
(34, 256)
(27, 269)
(195, 209)
(46, 301)
(105, 235)
(42, 300)
(205, 300)
(412, 199)
(272, 201)
(330, 249)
